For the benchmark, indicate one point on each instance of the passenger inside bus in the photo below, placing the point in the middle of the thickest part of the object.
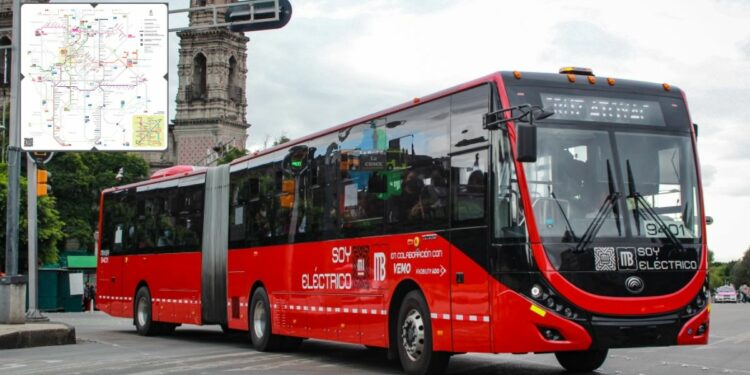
(410, 205)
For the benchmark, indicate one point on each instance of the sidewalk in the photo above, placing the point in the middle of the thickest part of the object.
(14, 336)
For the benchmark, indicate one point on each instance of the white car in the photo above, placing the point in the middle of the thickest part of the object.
(725, 294)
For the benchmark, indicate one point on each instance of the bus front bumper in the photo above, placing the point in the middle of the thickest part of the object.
(524, 326)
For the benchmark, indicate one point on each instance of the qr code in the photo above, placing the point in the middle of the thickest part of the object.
(28, 142)
(604, 259)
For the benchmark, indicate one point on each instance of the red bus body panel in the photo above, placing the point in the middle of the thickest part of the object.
(174, 281)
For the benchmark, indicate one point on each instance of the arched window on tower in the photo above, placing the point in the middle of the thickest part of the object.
(199, 77)
(233, 89)
(5, 62)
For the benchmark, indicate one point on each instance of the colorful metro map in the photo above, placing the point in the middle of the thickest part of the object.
(94, 77)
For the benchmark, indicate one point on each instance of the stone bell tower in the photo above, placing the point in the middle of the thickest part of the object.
(211, 102)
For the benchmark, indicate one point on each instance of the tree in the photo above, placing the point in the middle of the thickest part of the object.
(80, 178)
(231, 154)
(49, 223)
(740, 273)
(281, 139)
(716, 276)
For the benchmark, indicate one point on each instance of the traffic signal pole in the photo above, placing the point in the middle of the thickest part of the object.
(32, 314)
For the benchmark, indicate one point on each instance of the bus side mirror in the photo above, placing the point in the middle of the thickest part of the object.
(695, 130)
(709, 220)
(526, 143)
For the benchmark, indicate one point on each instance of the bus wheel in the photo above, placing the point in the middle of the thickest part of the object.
(260, 323)
(582, 361)
(414, 337)
(144, 323)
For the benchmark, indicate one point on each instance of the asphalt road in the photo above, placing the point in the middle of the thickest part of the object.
(110, 346)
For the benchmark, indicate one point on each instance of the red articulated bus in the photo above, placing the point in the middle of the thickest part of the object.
(516, 213)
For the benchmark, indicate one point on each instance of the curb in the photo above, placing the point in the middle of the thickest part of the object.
(55, 335)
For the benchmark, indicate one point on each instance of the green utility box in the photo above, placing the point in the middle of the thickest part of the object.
(50, 281)
(54, 283)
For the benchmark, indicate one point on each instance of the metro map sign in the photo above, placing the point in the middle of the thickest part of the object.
(94, 77)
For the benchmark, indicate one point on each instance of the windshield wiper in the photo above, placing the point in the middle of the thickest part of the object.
(639, 200)
(601, 216)
(562, 211)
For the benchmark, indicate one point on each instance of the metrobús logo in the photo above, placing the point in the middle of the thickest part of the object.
(646, 258)
(379, 267)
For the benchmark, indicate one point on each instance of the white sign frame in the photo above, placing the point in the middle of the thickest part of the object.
(94, 77)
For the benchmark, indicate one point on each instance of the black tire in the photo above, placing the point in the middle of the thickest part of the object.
(259, 323)
(142, 317)
(414, 338)
(582, 361)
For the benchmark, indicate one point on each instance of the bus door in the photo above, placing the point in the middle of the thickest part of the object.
(115, 234)
(469, 281)
(470, 310)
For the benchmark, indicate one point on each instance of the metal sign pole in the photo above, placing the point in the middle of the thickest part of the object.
(31, 198)
(12, 286)
(14, 151)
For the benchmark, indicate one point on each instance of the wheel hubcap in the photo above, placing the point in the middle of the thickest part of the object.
(412, 335)
(259, 319)
(142, 311)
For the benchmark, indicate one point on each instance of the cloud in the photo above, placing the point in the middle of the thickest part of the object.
(744, 47)
(579, 41)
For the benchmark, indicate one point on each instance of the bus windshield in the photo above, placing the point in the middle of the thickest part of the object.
(610, 183)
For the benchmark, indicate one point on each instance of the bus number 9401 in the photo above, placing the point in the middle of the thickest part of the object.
(655, 230)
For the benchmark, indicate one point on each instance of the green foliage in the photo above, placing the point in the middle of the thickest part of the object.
(78, 179)
(281, 139)
(231, 154)
(716, 276)
(49, 222)
(740, 273)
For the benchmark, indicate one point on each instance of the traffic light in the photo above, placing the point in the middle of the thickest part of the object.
(42, 183)
(261, 12)
(286, 199)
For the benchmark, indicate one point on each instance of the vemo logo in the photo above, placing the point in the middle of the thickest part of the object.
(379, 267)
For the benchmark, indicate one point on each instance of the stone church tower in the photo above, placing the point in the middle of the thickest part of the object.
(211, 103)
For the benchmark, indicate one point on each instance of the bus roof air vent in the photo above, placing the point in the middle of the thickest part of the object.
(177, 169)
(577, 71)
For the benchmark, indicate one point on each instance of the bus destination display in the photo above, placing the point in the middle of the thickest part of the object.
(600, 109)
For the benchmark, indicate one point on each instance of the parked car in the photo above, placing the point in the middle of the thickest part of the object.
(725, 293)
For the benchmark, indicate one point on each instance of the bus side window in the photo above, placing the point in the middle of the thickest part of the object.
(117, 218)
(469, 173)
(362, 158)
(415, 180)
(509, 223)
(243, 189)
(190, 218)
(262, 206)
(467, 114)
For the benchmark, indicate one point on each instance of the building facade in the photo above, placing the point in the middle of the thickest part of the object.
(211, 101)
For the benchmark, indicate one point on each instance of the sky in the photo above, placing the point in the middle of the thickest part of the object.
(337, 60)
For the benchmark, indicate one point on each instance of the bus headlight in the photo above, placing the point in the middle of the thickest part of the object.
(543, 295)
(536, 291)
